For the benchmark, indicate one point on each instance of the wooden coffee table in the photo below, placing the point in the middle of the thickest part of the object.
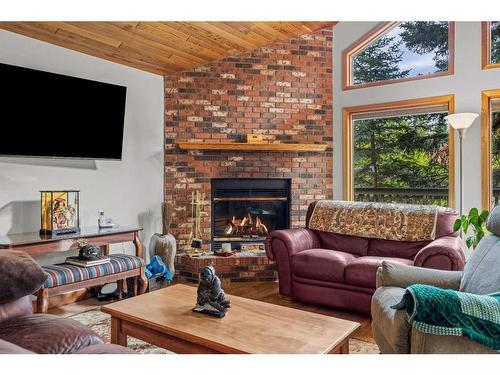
(164, 318)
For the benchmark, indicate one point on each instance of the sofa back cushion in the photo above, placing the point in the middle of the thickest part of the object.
(481, 272)
(444, 223)
(396, 249)
(348, 244)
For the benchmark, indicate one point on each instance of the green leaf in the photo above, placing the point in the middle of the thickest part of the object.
(465, 225)
(469, 241)
(474, 220)
(484, 215)
(457, 225)
(473, 212)
(479, 233)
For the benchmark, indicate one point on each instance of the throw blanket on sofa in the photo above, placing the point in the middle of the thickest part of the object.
(448, 312)
(400, 222)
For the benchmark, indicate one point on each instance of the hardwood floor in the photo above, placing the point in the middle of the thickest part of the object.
(262, 291)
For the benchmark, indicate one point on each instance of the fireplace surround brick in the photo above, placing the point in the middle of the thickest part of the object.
(283, 92)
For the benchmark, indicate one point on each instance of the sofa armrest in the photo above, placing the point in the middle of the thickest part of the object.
(446, 253)
(282, 245)
(402, 276)
(295, 240)
(426, 343)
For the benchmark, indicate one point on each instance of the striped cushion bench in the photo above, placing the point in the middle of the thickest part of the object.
(63, 274)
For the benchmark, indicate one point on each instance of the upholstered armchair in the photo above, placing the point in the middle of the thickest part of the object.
(391, 329)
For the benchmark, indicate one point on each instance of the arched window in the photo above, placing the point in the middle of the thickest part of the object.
(399, 51)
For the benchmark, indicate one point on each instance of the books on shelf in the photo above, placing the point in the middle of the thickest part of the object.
(76, 261)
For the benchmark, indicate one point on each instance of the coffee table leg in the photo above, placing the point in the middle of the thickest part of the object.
(117, 337)
(344, 347)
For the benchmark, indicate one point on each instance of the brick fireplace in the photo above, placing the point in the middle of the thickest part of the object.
(282, 92)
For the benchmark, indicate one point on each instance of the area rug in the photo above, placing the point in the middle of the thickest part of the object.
(101, 322)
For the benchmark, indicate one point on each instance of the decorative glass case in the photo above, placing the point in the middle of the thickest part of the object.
(60, 211)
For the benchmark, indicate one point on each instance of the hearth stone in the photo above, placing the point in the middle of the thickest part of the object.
(229, 269)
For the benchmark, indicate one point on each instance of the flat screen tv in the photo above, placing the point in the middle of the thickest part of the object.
(52, 115)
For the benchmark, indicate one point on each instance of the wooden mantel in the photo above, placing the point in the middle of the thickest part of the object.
(248, 146)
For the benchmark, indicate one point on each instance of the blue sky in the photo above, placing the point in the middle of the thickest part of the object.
(419, 64)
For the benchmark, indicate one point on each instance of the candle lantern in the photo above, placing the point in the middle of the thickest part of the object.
(60, 212)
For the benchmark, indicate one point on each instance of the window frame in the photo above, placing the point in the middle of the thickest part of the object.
(373, 34)
(486, 47)
(486, 97)
(348, 138)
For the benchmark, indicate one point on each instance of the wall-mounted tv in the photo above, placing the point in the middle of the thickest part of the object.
(52, 115)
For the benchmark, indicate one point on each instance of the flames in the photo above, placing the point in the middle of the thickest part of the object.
(248, 225)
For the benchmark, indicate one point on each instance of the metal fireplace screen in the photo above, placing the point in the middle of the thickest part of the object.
(246, 210)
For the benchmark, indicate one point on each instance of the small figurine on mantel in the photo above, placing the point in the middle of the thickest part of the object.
(211, 299)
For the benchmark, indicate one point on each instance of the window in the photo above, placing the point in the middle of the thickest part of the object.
(400, 152)
(490, 45)
(491, 148)
(396, 51)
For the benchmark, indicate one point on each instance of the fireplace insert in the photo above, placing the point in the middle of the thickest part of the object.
(245, 210)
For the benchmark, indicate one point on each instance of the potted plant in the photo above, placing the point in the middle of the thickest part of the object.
(476, 220)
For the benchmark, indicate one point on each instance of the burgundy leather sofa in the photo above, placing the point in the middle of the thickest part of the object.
(339, 271)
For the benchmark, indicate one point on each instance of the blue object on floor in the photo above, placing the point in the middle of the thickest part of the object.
(157, 268)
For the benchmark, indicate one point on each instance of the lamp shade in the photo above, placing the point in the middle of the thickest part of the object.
(461, 120)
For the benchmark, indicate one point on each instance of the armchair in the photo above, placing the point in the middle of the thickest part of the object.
(391, 329)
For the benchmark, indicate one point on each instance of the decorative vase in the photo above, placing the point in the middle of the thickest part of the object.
(164, 244)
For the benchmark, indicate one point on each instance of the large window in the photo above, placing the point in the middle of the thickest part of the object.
(491, 45)
(395, 51)
(399, 152)
(491, 148)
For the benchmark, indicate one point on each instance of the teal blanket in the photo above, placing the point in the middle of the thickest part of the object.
(448, 312)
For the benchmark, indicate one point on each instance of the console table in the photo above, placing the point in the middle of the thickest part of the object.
(34, 243)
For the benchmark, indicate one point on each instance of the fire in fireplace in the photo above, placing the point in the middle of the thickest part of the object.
(245, 210)
(246, 226)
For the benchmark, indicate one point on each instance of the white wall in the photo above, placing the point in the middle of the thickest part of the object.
(466, 84)
(130, 191)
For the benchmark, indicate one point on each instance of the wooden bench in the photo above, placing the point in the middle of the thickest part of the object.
(34, 244)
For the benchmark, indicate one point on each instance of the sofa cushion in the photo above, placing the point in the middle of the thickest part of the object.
(48, 334)
(321, 264)
(395, 249)
(20, 275)
(62, 274)
(348, 244)
(362, 271)
(480, 274)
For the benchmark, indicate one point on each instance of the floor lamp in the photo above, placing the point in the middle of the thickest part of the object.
(461, 122)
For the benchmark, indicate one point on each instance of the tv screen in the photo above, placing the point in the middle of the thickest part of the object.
(52, 115)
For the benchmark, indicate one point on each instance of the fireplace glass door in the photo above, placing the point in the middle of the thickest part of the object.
(246, 210)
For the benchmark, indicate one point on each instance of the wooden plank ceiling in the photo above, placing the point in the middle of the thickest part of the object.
(163, 47)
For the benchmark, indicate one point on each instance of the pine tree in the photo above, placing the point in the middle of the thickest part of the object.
(379, 61)
(427, 37)
(495, 42)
